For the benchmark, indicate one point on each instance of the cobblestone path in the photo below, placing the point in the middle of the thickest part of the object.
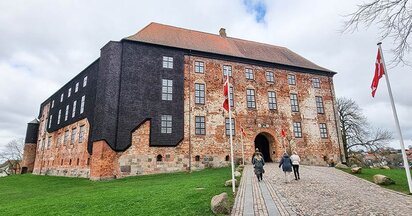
(320, 191)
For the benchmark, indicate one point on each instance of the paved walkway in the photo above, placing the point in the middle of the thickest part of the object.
(321, 191)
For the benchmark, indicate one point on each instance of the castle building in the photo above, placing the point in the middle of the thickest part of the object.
(152, 103)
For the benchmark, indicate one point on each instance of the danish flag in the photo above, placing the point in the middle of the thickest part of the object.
(225, 93)
(379, 71)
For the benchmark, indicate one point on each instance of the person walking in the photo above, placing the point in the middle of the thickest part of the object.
(295, 164)
(286, 164)
(258, 163)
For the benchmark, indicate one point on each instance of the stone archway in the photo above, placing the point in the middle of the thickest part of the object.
(264, 145)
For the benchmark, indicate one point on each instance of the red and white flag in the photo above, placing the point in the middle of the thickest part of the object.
(243, 131)
(225, 93)
(379, 71)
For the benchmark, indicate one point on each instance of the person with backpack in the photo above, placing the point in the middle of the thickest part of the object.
(286, 164)
(258, 163)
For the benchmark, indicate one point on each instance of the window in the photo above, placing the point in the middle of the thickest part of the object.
(272, 100)
(66, 136)
(167, 62)
(81, 134)
(197, 158)
(297, 129)
(69, 93)
(250, 98)
(82, 104)
(291, 79)
(61, 97)
(67, 113)
(74, 109)
(227, 126)
(49, 141)
(200, 128)
(159, 158)
(50, 120)
(52, 103)
(231, 101)
(323, 130)
(73, 137)
(319, 104)
(59, 139)
(166, 124)
(316, 83)
(58, 117)
(199, 93)
(77, 87)
(270, 77)
(249, 74)
(167, 89)
(85, 81)
(294, 102)
(199, 67)
(227, 69)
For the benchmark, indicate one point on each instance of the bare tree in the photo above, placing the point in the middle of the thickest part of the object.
(13, 154)
(394, 20)
(356, 131)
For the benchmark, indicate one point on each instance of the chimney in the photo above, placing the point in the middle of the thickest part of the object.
(222, 32)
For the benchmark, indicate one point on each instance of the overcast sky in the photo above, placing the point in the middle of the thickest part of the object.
(43, 44)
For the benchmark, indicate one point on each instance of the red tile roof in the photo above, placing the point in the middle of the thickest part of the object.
(171, 36)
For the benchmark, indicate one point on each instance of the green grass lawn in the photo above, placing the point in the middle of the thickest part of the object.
(398, 175)
(163, 194)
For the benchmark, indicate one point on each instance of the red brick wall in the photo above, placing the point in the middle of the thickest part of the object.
(29, 156)
(64, 158)
(104, 162)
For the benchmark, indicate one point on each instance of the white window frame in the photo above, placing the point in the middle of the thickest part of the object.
(297, 129)
(316, 82)
(77, 87)
(66, 116)
(199, 67)
(249, 74)
(250, 98)
(227, 69)
(82, 104)
(168, 62)
(270, 77)
(74, 108)
(69, 92)
(200, 93)
(272, 103)
(59, 116)
(166, 124)
(85, 81)
(167, 89)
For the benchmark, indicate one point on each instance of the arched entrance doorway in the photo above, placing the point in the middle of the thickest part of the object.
(262, 143)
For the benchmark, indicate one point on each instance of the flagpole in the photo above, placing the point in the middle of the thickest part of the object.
(243, 153)
(395, 115)
(230, 134)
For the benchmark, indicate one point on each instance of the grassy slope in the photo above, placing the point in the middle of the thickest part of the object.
(398, 175)
(163, 194)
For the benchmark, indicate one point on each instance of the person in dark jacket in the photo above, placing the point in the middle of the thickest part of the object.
(258, 163)
(286, 164)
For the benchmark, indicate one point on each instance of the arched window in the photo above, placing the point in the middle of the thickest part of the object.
(78, 161)
(227, 158)
(159, 158)
(70, 162)
(197, 158)
(61, 163)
